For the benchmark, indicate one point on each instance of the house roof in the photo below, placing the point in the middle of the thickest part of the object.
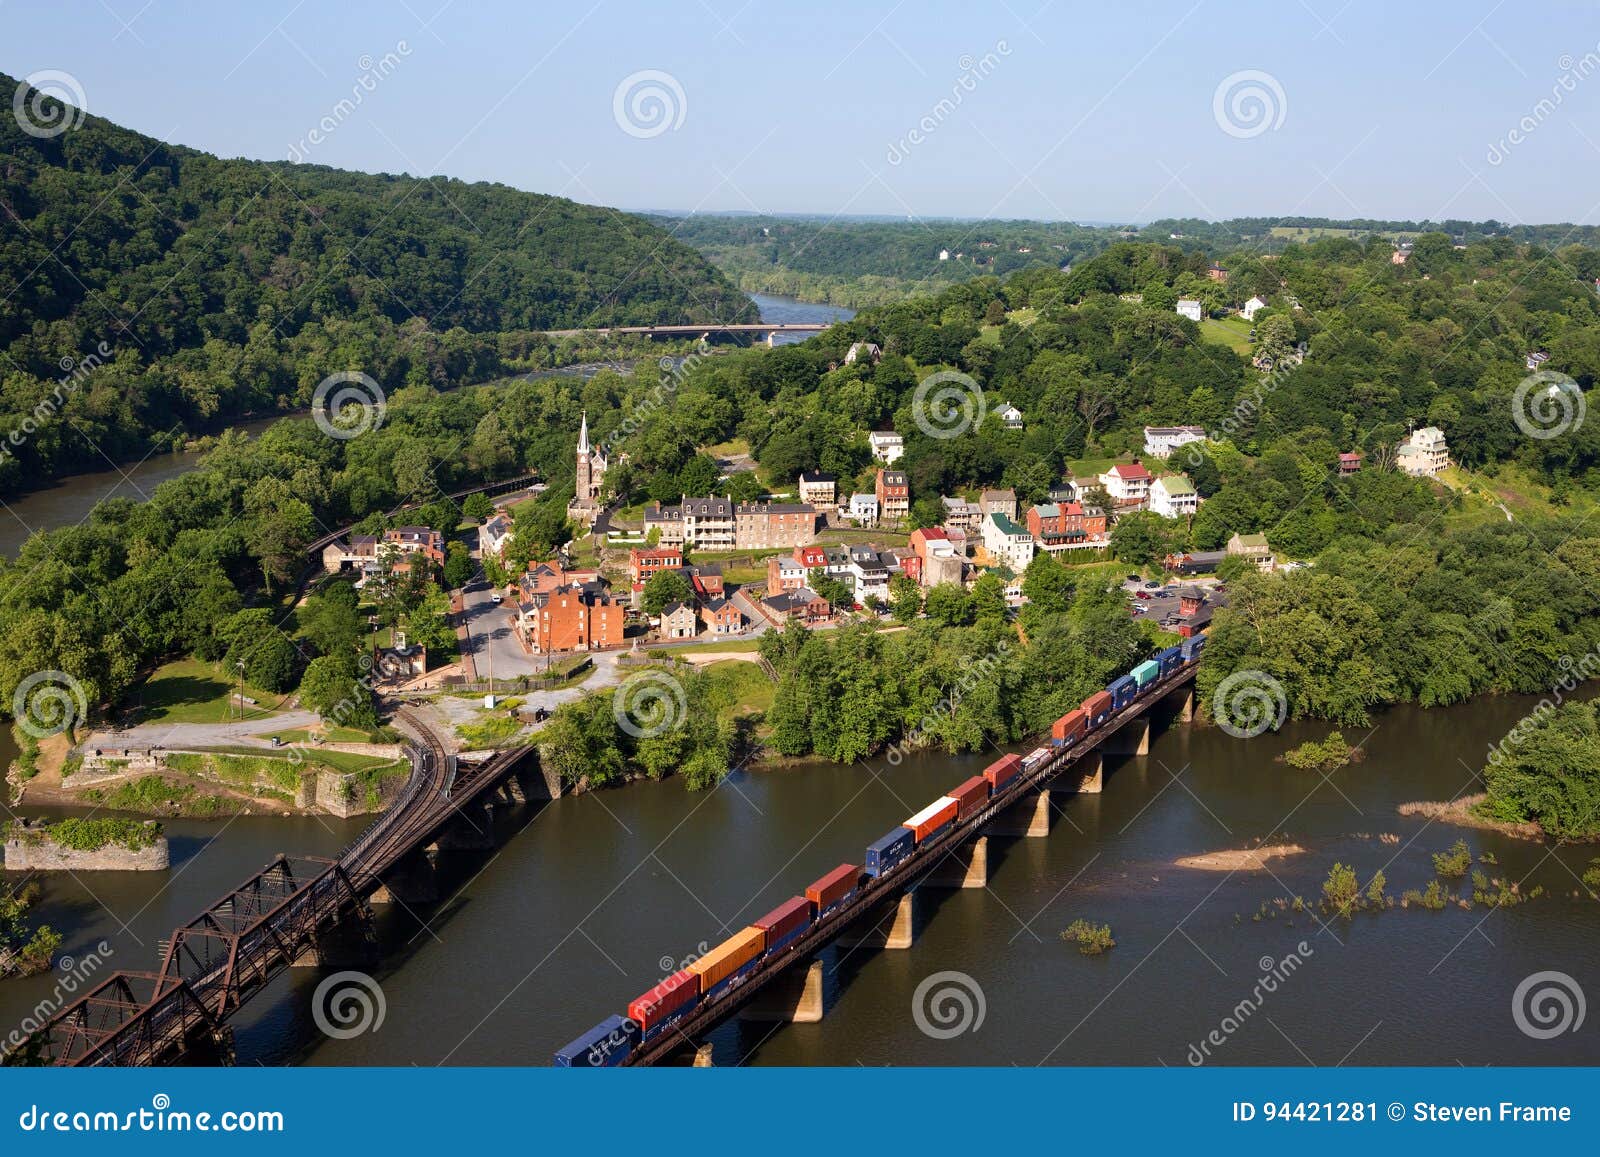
(1132, 471)
(1006, 525)
(1175, 485)
(807, 476)
(1005, 495)
(1253, 541)
(1354, 456)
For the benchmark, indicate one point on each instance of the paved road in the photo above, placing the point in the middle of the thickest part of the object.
(493, 634)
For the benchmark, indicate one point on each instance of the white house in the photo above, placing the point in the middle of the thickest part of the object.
(1423, 454)
(1127, 484)
(944, 255)
(1161, 441)
(494, 534)
(1252, 307)
(1010, 417)
(862, 349)
(864, 508)
(1190, 308)
(887, 446)
(1008, 541)
(1173, 496)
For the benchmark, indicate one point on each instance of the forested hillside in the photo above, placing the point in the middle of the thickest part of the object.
(154, 288)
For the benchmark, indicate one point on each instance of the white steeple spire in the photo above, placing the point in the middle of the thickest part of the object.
(583, 434)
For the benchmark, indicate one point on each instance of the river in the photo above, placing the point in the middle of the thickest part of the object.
(579, 909)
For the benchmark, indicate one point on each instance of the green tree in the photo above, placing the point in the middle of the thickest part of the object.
(664, 588)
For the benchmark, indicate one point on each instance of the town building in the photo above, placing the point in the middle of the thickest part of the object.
(864, 509)
(1173, 496)
(1424, 454)
(804, 604)
(1190, 308)
(1008, 542)
(1010, 417)
(1126, 485)
(494, 535)
(722, 617)
(894, 496)
(1252, 307)
(769, 525)
(1194, 562)
(784, 574)
(862, 349)
(1216, 272)
(643, 563)
(678, 621)
(959, 514)
(818, 489)
(887, 446)
(999, 502)
(589, 484)
(573, 617)
(706, 578)
(1161, 441)
(937, 560)
(1349, 463)
(1254, 548)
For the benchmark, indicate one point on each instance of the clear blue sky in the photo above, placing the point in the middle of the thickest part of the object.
(1087, 111)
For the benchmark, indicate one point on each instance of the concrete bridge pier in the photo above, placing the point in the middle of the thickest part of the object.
(411, 881)
(793, 998)
(1184, 698)
(963, 867)
(1090, 771)
(888, 928)
(1132, 738)
(1028, 818)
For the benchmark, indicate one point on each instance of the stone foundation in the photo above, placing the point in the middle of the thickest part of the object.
(36, 852)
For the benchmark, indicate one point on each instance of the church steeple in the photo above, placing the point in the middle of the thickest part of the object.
(583, 434)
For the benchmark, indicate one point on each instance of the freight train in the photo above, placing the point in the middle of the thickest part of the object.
(730, 963)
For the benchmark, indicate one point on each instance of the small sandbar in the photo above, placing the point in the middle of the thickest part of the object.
(1460, 812)
(1240, 860)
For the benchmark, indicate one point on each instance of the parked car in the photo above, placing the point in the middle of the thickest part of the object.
(1152, 586)
(496, 599)
(1133, 578)
(1141, 594)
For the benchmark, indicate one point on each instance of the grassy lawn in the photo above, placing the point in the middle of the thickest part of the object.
(744, 687)
(729, 646)
(1233, 332)
(192, 691)
(733, 448)
(331, 735)
(1487, 500)
(1088, 467)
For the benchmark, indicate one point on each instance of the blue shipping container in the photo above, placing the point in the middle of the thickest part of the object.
(604, 1046)
(1170, 659)
(887, 851)
(1192, 646)
(1122, 692)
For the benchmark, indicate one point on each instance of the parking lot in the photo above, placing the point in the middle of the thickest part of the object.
(1158, 601)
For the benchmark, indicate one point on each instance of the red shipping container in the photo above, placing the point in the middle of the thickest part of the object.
(1071, 726)
(1097, 704)
(933, 817)
(664, 999)
(971, 795)
(785, 918)
(1001, 771)
(835, 885)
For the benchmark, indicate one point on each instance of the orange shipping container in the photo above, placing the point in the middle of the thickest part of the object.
(728, 957)
(971, 795)
(933, 817)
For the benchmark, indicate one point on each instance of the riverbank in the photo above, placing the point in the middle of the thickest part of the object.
(1462, 812)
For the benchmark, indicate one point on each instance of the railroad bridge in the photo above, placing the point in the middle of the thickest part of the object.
(787, 986)
(305, 911)
(295, 911)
